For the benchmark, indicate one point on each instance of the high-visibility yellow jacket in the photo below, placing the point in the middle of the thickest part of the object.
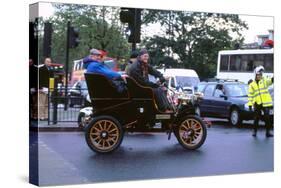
(258, 93)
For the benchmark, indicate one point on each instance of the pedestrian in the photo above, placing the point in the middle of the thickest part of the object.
(140, 69)
(95, 65)
(259, 100)
(133, 58)
(45, 73)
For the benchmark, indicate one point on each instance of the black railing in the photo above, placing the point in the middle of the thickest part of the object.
(75, 101)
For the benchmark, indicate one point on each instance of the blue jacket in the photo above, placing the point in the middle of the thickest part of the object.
(101, 68)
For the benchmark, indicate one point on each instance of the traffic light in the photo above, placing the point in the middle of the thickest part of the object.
(33, 41)
(73, 37)
(132, 16)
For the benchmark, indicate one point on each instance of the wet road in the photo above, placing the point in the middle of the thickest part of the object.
(64, 157)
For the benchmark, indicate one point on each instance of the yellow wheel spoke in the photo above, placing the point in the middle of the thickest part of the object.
(95, 134)
(183, 126)
(100, 126)
(103, 143)
(96, 128)
(96, 138)
(187, 123)
(107, 142)
(108, 128)
(112, 130)
(99, 141)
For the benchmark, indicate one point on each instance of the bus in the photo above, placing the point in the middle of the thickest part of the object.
(240, 64)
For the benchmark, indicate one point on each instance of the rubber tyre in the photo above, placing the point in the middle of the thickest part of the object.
(199, 138)
(235, 117)
(96, 124)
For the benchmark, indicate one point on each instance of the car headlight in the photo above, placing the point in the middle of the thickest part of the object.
(246, 106)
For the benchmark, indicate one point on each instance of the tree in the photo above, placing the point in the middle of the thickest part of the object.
(99, 27)
(194, 37)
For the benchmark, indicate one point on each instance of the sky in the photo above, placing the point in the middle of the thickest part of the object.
(258, 25)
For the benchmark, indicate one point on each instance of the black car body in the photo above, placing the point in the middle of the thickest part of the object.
(225, 99)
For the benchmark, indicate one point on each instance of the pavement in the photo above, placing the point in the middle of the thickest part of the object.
(60, 126)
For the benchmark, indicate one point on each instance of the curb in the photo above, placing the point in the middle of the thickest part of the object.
(55, 129)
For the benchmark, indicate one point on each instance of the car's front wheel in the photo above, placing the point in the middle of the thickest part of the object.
(191, 132)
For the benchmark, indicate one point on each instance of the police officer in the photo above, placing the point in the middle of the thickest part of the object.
(259, 99)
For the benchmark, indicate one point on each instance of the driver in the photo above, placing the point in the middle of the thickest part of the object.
(140, 69)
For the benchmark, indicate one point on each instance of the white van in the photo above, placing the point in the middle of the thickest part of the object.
(187, 79)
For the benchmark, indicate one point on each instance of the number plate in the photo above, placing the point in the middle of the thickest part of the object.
(163, 116)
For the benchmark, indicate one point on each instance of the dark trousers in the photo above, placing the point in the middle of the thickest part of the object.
(258, 116)
(161, 99)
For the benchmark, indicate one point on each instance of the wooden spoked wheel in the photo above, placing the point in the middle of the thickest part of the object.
(104, 134)
(191, 132)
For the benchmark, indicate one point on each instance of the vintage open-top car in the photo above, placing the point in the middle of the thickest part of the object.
(136, 111)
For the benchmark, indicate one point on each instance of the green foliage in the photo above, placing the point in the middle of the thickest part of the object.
(189, 39)
(195, 38)
(99, 27)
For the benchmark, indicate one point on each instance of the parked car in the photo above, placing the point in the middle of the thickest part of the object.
(225, 99)
(78, 93)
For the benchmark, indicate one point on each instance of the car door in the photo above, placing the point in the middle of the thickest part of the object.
(220, 102)
(206, 106)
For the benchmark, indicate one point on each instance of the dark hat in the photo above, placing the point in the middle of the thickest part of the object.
(143, 51)
(134, 54)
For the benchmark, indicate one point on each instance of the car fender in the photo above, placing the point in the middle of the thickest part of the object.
(87, 111)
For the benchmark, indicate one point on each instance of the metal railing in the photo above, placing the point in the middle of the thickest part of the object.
(58, 112)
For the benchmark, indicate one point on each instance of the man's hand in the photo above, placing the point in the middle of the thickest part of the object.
(32, 90)
(124, 76)
(250, 108)
(162, 80)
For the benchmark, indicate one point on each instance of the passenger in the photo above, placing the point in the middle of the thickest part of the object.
(93, 64)
(140, 69)
(133, 58)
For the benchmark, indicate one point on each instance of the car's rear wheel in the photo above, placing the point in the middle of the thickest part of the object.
(191, 132)
(104, 134)
(235, 117)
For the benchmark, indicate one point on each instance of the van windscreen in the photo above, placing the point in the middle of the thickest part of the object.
(185, 81)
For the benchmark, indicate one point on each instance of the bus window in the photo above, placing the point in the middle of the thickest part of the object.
(224, 63)
(235, 62)
(259, 58)
(268, 63)
(245, 63)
